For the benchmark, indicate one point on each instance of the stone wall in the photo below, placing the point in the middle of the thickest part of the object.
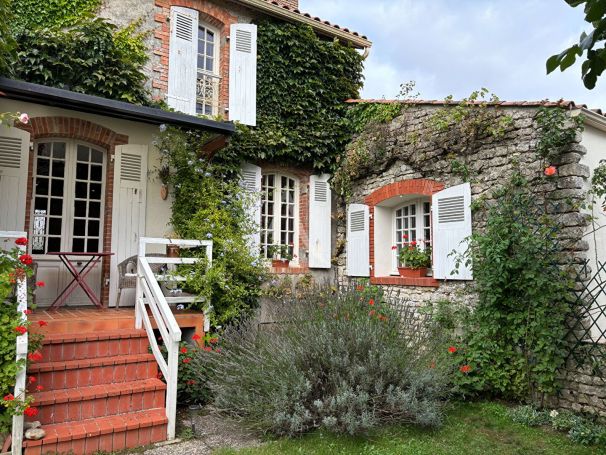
(409, 148)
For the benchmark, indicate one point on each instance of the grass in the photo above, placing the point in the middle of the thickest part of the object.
(470, 428)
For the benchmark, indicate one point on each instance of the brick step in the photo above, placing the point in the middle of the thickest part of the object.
(64, 346)
(58, 406)
(104, 434)
(69, 374)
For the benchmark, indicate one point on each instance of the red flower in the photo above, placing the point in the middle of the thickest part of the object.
(405, 237)
(452, 349)
(183, 350)
(465, 369)
(39, 388)
(550, 171)
(20, 329)
(21, 241)
(187, 360)
(26, 312)
(214, 340)
(372, 313)
(359, 288)
(34, 356)
(371, 302)
(191, 382)
(207, 349)
(9, 397)
(218, 350)
(31, 379)
(31, 412)
(382, 318)
(393, 248)
(413, 243)
(196, 337)
(26, 259)
(40, 284)
(42, 323)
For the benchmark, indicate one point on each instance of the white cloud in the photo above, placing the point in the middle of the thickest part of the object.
(455, 47)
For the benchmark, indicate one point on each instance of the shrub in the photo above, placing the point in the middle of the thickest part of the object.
(343, 361)
(529, 416)
(587, 433)
(564, 420)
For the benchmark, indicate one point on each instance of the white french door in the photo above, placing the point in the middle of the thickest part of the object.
(67, 212)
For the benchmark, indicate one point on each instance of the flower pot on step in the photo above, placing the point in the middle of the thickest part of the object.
(172, 251)
(407, 272)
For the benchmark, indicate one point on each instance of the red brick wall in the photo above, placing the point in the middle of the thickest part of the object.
(210, 13)
(75, 128)
(420, 187)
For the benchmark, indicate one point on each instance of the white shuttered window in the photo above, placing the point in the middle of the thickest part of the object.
(358, 240)
(14, 157)
(243, 74)
(320, 222)
(182, 60)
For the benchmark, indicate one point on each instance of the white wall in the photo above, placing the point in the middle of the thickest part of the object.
(594, 141)
(158, 212)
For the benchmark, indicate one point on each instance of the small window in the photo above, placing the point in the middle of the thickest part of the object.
(412, 223)
(208, 79)
(279, 213)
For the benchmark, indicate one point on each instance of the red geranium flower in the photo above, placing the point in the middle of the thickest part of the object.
(26, 312)
(40, 284)
(405, 236)
(20, 329)
(21, 241)
(371, 302)
(9, 397)
(413, 243)
(42, 323)
(34, 356)
(393, 248)
(31, 412)
(214, 340)
(465, 369)
(207, 349)
(39, 388)
(187, 360)
(183, 350)
(196, 337)
(191, 382)
(31, 379)
(550, 171)
(452, 349)
(26, 259)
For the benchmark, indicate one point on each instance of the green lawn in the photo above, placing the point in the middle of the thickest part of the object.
(470, 428)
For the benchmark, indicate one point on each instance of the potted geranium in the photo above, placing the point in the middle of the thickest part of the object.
(281, 255)
(414, 259)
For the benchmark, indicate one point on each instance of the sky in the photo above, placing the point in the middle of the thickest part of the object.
(453, 47)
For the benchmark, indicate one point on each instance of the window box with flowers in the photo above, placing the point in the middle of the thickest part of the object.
(281, 255)
(414, 258)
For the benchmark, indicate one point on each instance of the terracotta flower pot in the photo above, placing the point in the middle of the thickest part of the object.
(164, 192)
(172, 251)
(407, 272)
(280, 263)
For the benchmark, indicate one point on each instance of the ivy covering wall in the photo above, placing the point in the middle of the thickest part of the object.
(302, 83)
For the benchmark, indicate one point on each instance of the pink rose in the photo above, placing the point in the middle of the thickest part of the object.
(24, 118)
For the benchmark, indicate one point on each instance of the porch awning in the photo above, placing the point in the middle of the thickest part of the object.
(51, 96)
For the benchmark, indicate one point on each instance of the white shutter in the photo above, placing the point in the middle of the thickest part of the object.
(129, 206)
(14, 158)
(451, 210)
(358, 240)
(320, 207)
(251, 182)
(182, 59)
(243, 74)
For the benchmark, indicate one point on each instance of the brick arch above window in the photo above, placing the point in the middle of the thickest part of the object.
(74, 128)
(421, 187)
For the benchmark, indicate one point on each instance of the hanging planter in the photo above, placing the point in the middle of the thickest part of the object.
(164, 176)
(164, 192)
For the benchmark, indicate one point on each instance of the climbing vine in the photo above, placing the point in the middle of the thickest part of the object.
(557, 130)
(31, 14)
(302, 83)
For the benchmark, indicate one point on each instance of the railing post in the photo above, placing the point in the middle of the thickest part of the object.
(171, 387)
(138, 290)
(21, 353)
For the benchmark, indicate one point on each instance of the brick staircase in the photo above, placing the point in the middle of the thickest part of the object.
(101, 393)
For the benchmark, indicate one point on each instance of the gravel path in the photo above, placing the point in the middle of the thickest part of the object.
(212, 432)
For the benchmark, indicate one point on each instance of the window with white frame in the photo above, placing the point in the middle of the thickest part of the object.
(208, 79)
(279, 213)
(411, 223)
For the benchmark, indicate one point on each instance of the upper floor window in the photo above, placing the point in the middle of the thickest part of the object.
(207, 78)
(279, 213)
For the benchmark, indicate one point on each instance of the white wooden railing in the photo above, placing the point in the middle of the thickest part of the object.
(21, 347)
(150, 295)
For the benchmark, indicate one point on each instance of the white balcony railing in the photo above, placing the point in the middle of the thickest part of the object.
(8, 238)
(150, 295)
(207, 94)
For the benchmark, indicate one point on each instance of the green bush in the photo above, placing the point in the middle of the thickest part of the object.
(529, 415)
(342, 361)
(92, 57)
(587, 433)
(7, 42)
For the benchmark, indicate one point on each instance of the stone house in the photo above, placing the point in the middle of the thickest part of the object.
(409, 187)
